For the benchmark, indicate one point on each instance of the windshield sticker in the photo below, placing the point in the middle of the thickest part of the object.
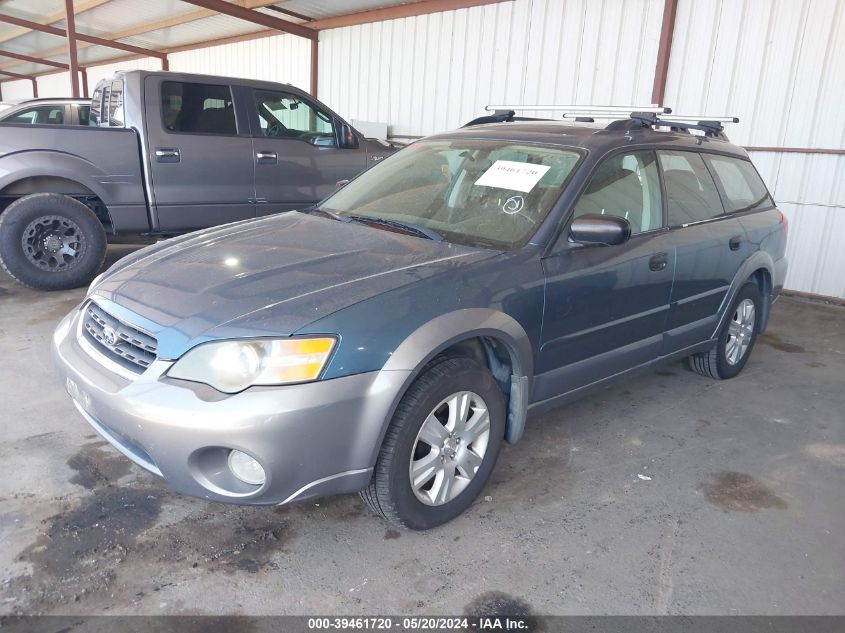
(508, 174)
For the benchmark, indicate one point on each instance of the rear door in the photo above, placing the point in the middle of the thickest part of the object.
(710, 246)
(606, 306)
(199, 152)
(298, 160)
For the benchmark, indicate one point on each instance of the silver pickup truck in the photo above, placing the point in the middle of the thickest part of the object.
(165, 153)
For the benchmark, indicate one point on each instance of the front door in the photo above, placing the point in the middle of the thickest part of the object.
(606, 306)
(200, 154)
(298, 160)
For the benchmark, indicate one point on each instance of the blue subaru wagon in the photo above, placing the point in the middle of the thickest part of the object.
(388, 340)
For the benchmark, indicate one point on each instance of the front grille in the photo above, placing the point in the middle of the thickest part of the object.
(120, 342)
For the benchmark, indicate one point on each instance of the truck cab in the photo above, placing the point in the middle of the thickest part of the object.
(172, 153)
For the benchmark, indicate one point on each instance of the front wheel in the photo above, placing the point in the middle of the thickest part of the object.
(441, 446)
(736, 337)
(51, 242)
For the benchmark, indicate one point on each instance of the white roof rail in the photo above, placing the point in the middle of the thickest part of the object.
(704, 117)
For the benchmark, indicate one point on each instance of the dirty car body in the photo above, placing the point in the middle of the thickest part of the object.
(552, 258)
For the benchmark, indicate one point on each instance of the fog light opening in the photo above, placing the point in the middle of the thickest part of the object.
(246, 468)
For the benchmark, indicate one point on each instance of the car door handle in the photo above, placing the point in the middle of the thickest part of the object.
(266, 158)
(168, 155)
(735, 242)
(658, 262)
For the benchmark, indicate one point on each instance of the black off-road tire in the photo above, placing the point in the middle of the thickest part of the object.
(714, 363)
(389, 494)
(25, 226)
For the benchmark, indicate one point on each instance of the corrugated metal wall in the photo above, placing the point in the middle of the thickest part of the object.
(777, 64)
(780, 66)
(282, 58)
(434, 72)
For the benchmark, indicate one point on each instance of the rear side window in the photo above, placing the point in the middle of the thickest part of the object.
(197, 108)
(627, 186)
(691, 194)
(741, 184)
(42, 115)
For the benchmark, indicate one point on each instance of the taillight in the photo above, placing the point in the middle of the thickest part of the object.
(784, 220)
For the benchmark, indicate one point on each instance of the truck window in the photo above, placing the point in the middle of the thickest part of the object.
(197, 108)
(742, 187)
(284, 115)
(690, 191)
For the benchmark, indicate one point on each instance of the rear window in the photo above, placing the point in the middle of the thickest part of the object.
(691, 194)
(742, 186)
(197, 108)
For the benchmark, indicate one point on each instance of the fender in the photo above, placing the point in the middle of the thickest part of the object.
(757, 260)
(430, 339)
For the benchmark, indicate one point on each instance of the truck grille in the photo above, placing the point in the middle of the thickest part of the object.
(118, 341)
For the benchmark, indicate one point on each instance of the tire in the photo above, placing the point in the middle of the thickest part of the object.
(51, 242)
(724, 360)
(391, 494)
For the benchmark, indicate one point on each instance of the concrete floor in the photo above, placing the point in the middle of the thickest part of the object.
(744, 512)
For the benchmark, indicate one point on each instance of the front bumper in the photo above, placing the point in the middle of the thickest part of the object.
(311, 439)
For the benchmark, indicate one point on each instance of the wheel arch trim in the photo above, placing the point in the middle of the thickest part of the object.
(757, 261)
(447, 330)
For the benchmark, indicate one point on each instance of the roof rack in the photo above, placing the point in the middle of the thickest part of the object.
(638, 117)
(711, 126)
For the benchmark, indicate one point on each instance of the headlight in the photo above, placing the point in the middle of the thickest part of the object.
(232, 366)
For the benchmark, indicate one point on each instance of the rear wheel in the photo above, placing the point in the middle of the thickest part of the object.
(736, 338)
(441, 446)
(51, 242)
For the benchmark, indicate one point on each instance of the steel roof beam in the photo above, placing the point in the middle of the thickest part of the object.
(249, 15)
(34, 60)
(44, 28)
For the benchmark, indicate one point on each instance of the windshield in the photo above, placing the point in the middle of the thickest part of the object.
(478, 193)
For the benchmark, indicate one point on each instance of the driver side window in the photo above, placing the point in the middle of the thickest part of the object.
(284, 115)
(627, 186)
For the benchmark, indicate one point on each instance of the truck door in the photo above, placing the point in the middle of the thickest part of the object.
(300, 151)
(199, 153)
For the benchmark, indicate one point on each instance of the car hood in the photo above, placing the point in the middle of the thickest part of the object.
(266, 277)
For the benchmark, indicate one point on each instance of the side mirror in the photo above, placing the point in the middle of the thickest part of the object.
(348, 138)
(595, 228)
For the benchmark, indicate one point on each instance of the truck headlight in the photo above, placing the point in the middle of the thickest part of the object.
(232, 366)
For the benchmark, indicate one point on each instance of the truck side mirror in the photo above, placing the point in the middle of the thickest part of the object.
(348, 138)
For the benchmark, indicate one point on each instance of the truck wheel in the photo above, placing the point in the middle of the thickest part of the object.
(441, 446)
(51, 242)
(736, 338)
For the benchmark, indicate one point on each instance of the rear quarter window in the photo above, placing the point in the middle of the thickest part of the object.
(742, 187)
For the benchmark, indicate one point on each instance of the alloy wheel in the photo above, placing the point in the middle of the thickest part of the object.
(740, 331)
(449, 448)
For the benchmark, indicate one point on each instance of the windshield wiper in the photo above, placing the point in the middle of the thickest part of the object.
(408, 227)
(327, 213)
